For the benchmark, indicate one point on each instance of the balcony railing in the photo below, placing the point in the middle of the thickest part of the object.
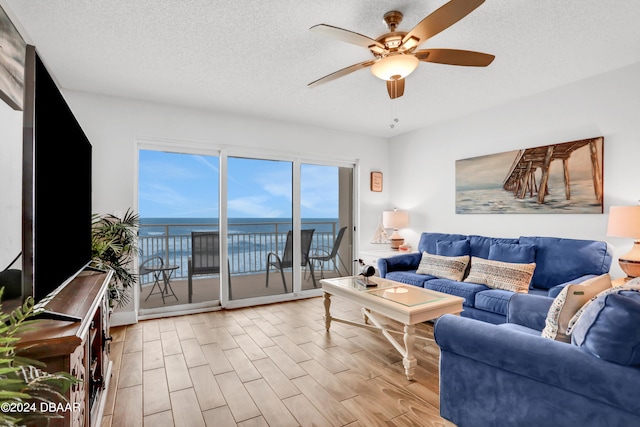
(247, 248)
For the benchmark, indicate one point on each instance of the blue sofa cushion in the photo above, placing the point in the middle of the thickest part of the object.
(429, 241)
(408, 277)
(482, 315)
(529, 310)
(561, 260)
(453, 248)
(493, 300)
(536, 291)
(467, 291)
(510, 252)
(608, 327)
(480, 245)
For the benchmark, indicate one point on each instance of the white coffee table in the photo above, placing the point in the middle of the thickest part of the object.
(403, 303)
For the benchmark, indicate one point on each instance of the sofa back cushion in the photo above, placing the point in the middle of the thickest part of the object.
(608, 326)
(510, 252)
(429, 241)
(453, 248)
(480, 245)
(560, 260)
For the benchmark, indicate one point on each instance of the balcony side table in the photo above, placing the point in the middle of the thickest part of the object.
(166, 271)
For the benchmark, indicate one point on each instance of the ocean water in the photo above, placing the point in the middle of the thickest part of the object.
(500, 201)
(184, 226)
(249, 240)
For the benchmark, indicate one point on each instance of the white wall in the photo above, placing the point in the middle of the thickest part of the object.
(423, 162)
(113, 124)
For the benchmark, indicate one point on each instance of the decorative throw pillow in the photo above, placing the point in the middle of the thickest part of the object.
(568, 302)
(608, 327)
(443, 267)
(453, 248)
(501, 275)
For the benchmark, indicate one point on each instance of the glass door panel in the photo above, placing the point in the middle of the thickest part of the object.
(260, 240)
(326, 206)
(178, 198)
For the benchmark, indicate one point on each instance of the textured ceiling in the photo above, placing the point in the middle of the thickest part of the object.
(257, 57)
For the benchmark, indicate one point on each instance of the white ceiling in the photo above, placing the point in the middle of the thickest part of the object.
(256, 57)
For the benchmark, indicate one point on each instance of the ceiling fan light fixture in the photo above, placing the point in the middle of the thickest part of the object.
(410, 43)
(394, 67)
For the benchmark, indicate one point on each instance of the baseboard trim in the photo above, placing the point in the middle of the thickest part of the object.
(122, 318)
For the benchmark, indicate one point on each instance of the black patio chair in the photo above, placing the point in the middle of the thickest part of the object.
(286, 261)
(325, 254)
(205, 257)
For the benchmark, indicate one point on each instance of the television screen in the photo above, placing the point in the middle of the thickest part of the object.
(57, 213)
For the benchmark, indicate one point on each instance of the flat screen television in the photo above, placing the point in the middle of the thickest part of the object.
(56, 221)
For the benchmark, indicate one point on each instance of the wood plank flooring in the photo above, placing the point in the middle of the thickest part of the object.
(271, 365)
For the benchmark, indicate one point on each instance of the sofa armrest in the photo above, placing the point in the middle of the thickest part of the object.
(553, 292)
(402, 262)
(528, 310)
(553, 363)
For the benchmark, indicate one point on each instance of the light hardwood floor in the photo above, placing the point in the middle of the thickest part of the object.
(271, 365)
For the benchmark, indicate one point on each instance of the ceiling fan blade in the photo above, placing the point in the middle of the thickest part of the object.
(455, 57)
(395, 88)
(341, 73)
(346, 36)
(441, 19)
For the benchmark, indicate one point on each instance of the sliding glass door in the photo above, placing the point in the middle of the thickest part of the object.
(326, 207)
(238, 230)
(178, 198)
(260, 239)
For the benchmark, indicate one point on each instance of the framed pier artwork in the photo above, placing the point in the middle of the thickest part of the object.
(553, 179)
(12, 57)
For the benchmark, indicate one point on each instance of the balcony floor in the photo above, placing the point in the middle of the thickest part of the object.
(208, 288)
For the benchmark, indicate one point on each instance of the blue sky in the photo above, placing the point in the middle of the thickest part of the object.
(175, 185)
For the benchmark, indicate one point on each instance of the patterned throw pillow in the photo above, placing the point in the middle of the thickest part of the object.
(568, 302)
(501, 275)
(443, 267)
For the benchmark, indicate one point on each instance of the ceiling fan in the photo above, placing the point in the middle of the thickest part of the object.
(395, 54)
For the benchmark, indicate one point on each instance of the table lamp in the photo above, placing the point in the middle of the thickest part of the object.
(624, 221)
(395, 219)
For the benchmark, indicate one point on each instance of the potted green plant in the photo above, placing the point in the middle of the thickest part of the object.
(113, 247)
(27, 391)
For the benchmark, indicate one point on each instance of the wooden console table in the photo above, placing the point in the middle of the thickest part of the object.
(79, 348)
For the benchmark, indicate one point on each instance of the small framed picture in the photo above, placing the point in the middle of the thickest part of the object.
(376, 181)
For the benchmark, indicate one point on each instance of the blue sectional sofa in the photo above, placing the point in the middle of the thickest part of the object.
(558, 262)
(508, 375)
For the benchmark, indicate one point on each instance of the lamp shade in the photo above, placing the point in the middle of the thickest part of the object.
(394, 67)
(624, 221)
(395, 219)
